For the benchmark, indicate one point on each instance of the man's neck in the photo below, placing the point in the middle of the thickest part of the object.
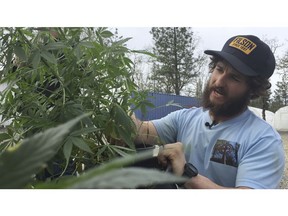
(221, 118)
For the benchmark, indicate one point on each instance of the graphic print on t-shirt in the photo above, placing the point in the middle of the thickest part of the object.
(225, 152)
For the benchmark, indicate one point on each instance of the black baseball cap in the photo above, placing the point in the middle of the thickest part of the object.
(248, 55)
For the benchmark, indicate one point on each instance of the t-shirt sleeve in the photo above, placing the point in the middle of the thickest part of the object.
(167, 127)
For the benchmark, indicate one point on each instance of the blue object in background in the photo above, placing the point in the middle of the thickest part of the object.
(165, 104)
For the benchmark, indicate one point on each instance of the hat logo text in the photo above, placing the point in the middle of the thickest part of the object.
(243, 44)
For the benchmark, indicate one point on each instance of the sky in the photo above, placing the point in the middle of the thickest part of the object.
(212, 38)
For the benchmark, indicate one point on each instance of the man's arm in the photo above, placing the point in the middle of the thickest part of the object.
(146, 132)
(202, 182)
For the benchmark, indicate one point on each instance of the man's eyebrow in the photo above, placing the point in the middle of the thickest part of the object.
(232, 70)
(237, 74)
(220, 64)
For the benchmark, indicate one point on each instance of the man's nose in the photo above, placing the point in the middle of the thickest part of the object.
(220, 80)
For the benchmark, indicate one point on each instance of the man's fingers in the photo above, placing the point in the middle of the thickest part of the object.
(167, 153)
(162, 159)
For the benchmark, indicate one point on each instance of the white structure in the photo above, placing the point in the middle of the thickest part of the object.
(281, 119)
(268, 114)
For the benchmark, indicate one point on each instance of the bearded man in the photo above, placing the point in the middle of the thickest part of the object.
(223, 144)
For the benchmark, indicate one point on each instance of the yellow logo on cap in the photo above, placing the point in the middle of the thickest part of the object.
(243, 44)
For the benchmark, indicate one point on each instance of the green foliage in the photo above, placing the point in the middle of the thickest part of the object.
(281, 92)
(121, 178)
(263, 102)
(177, 63)
(280, 98)
(20, 164)
(56, 74)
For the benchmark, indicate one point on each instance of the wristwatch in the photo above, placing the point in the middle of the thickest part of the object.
(190, 170)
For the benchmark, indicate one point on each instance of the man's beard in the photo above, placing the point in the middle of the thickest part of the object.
(231, 107)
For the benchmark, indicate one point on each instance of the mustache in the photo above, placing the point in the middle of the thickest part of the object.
(219, 90)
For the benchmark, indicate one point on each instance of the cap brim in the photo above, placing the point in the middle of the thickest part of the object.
(235, 62)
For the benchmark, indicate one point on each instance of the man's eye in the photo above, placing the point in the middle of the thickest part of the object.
(236, 78)
(219, 68)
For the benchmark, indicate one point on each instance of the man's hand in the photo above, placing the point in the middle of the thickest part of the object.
(173, 155)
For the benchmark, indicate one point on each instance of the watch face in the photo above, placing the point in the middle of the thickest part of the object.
(190, 170)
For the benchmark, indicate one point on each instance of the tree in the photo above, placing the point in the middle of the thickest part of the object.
(281, 91)
(281, 94)
(55, 75)
(68, 95)
(176, 64)
(139, 72)
(283, 85)
(263, 102)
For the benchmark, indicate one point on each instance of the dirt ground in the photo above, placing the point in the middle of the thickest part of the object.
(284, 182)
